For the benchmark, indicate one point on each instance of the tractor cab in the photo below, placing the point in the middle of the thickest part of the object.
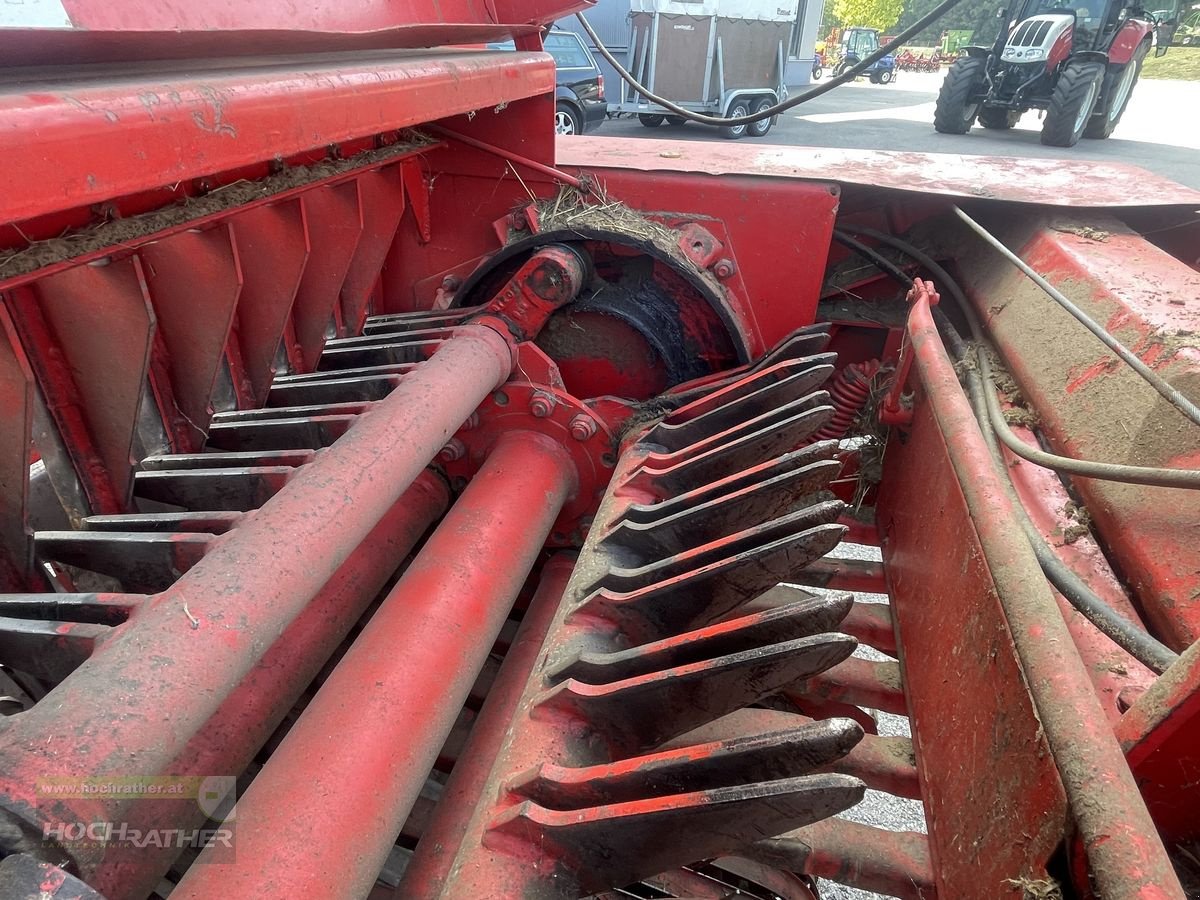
(1077, 60)
(855, 44)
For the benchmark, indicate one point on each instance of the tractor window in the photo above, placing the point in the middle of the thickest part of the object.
(862, 42)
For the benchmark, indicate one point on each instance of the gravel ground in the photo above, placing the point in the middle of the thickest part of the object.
(878, 809)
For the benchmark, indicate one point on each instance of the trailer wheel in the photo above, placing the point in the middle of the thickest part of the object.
(736, 110)
(651, 121)
(762, 126)
(956, 104)
(1071, 103)
(1120, 81)
(997, 117)
(676, 120)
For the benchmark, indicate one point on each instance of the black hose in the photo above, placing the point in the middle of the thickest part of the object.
(849, 75)
(1188, 479)
(1168, 393)
(1128, 636)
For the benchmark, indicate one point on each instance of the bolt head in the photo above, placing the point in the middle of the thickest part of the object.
(541, 405)
(724, 268)
(582, 427)
(453, 451)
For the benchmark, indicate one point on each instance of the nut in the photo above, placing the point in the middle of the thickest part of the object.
(453, 451)
(582, 427)
(724, 268)
(542, 404)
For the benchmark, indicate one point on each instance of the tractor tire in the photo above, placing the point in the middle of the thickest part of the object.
(676, 120)
(1071, 103)
(1119, 84)
(886, 76)
(956, 110)
(651, 121)
(735, 111)
(762, 126)
(841, 68)
(995, 117)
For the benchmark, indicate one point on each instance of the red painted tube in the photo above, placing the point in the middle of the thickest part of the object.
(427, 872)
(132, 708)
(228, 741)
(367, 741)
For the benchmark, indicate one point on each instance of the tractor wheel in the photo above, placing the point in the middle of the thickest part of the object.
(676, 120)
(886, 76)
(957, 105)
(1119, 83)
(736, 111)
(841, 68)
(995, 117)
(762, 126)
(650, 121)
(1071, 103)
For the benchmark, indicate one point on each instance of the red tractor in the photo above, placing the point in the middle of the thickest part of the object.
(1079, 63)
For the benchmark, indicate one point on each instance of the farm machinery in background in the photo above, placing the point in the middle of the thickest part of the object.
(1078, 63)
(426, 509)
(847, 47)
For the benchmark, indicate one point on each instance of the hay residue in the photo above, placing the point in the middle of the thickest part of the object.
(1081, 522)
(1037, 888)
(572, 210)
(123, 232)
(1083, 231)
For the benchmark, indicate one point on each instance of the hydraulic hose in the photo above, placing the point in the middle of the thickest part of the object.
(1154, 476)
(849, 75)
(1129, 637)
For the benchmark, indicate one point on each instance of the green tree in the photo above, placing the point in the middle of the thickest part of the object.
(881, 14)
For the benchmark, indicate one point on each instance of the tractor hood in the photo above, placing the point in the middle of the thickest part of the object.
(1032, 39)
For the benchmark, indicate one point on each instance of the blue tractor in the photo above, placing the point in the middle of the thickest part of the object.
(856, 44)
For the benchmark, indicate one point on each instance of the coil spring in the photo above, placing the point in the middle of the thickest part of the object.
(848, 394)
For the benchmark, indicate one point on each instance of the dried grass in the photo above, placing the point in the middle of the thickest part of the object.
(124, 232)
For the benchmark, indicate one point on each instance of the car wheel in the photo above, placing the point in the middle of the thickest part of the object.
(676, 120)
(762, 126)
(566, 120)
(651, 121)
(735, 111)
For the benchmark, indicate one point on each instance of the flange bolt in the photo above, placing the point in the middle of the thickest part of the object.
(582, 427)
(541, 404)
(453, 451)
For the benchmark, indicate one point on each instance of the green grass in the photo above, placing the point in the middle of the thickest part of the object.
(1182, 63)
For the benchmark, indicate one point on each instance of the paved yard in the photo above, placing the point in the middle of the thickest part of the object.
(1160, 130)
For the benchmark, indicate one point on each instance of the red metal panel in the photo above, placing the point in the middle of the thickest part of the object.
(1124, 854)
(335, 225)
(985, 768)
(16, 414)
(272, 244)
(1092, 406)
(1055, 182)
(194, 281)
(87, 331)
(98, 140)
(777, 271)
(381, 203)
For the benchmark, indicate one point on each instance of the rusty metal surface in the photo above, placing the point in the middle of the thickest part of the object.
(1016, 619)
(1054, 182)
(1094, 407)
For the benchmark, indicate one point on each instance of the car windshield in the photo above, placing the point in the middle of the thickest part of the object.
(567, 51)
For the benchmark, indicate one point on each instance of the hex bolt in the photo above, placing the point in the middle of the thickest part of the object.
(582, 427)
(453, 451)
(471, 423)
(541, 404)
(451, 283)
(724, 268)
